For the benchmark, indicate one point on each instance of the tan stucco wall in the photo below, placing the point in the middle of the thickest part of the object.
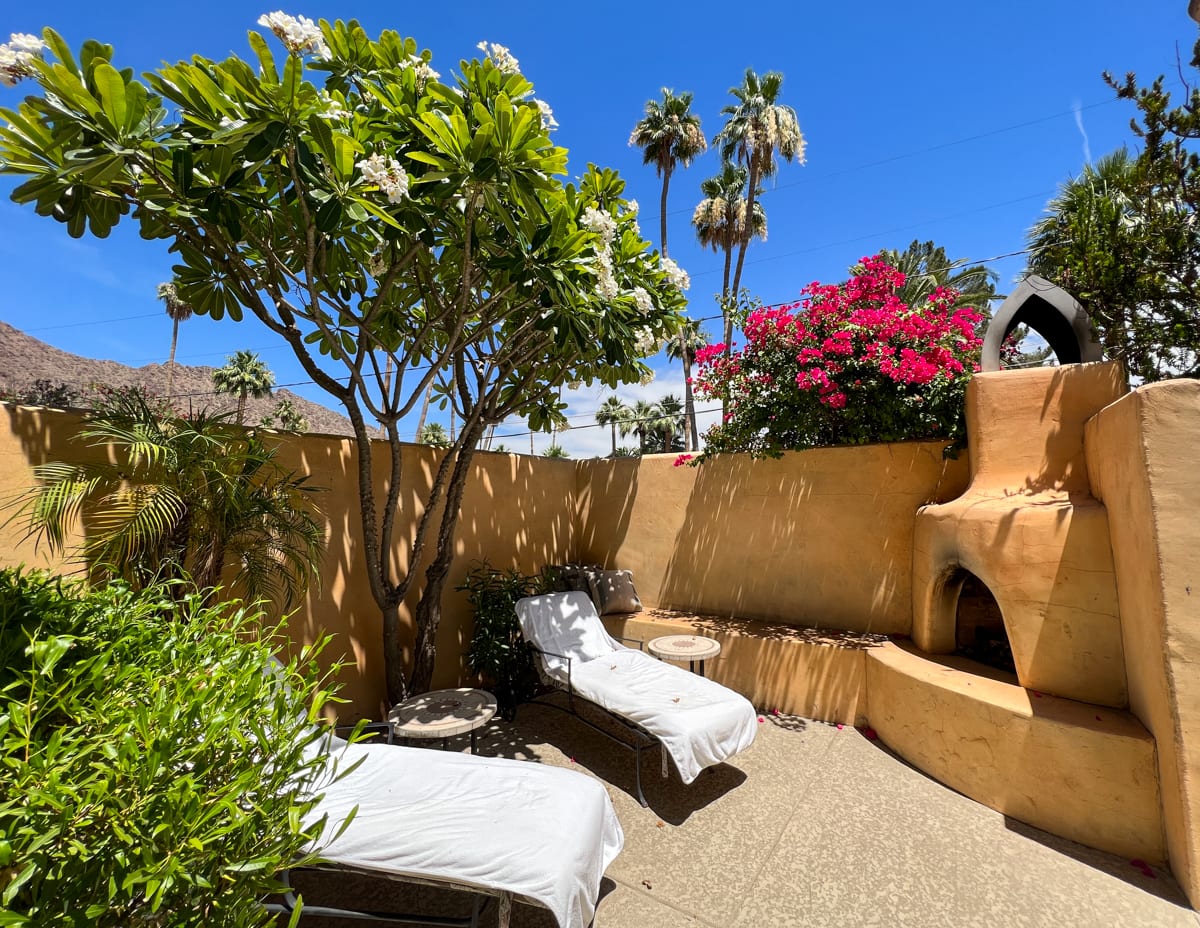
(820, 537)
(30, 436)
(814, 673)
(1054, 763)
(517, 512)
(1142, 461)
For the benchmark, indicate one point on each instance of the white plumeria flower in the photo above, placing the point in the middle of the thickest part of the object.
(501, 57)
(297, 33)
(643, 300)
(600, 222)
(421, 69)
(387, 175)
(548, 120)
(677, 275)
(632, 207)
(16, 57)
(645, 344)
(606, 286)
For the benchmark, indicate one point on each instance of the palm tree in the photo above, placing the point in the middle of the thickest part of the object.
(670, 419)
(1091, 243)
(182, 498)
(434, 434)
(669, 134)
(245, 375)
(613, 412)
(759, 129)
(179, 311)
(926, 267)
(720, 223)
(639, 422)
(683, 349)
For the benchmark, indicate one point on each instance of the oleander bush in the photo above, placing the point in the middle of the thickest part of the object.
(155, 763)
(498, 651)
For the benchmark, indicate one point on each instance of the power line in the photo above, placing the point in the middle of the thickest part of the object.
(76, 325)
(920, 151)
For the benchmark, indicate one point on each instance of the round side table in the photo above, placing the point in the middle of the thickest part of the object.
(443, 714)
(691, 648)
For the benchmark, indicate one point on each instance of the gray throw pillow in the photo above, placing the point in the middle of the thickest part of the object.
(612, 592)
(575, 578)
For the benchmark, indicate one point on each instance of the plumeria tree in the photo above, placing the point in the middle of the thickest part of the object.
(391, 226)
(850, 363)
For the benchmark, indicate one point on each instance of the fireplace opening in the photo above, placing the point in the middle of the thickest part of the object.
(979, 630)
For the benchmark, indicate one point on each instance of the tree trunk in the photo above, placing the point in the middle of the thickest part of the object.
(429, 609)
(748, 232)
(689, 404)
(727, 321)
(662, 208)
(241, 408)
(424, 410)
(614, 438)
(393, 656)
(171, 360)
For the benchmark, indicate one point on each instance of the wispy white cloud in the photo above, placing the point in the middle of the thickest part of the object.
(1077, 109)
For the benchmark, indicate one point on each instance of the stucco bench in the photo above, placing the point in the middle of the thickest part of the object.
(817, 673)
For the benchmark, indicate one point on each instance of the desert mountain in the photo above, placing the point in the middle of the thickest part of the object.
(24, 360)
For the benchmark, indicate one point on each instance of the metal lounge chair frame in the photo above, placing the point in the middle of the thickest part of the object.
(639, 737)
(482, 897)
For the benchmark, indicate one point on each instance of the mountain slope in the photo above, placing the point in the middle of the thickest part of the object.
(24, 360)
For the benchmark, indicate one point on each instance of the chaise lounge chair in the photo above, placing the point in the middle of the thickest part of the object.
(698, 722)
(496, 827)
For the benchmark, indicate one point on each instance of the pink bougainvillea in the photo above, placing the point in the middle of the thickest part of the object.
(850, 363)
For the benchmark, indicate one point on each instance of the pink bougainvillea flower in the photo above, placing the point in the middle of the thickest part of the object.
(761, 719)
(774, 712)
(683, 459)
(839, 726)
(870, 734)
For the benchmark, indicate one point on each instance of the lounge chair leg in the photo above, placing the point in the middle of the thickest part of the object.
(505, 910)
(637, 775)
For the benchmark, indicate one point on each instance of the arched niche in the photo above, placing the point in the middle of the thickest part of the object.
(979, 631)
(1051, 312)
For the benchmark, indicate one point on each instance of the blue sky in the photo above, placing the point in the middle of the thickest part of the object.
(932, 120)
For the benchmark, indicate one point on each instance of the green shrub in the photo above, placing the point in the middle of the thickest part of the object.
(498, 652)
(151, 757)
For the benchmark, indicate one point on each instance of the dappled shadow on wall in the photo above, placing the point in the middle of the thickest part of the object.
(821, 537)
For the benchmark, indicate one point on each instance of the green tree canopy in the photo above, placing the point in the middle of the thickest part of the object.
(1111, 242)
(389, 226)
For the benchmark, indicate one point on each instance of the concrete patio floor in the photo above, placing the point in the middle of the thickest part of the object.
(814, 826)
